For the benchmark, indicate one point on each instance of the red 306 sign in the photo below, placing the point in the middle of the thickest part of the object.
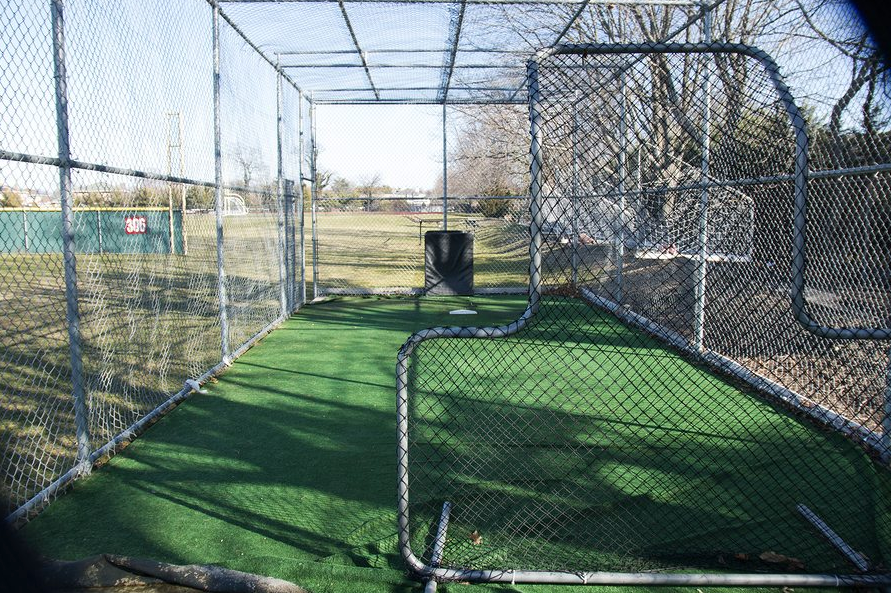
(135, 225)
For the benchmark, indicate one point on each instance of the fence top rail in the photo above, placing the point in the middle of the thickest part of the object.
(432, 198)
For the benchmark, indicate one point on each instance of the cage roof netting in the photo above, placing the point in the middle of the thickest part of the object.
(436, 51)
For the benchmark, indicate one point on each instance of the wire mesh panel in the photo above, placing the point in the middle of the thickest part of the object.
(372, 245)
(293, 170)
(148, 320)
(37, 432)
(109, 244)
(616, 425)
(370, 234)
(252, 219)
(500, 228)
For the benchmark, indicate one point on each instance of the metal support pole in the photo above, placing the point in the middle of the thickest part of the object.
(25, 229)
(290, 239)
(300, 197)
(171, 243)
(439, 543)
(99, 228)
(639, 168)
(701, 268)
(445, 173)
(72, 311)
(283, 276)
(536, 187)
(623, 173)
(218, 190)
(886, 418)
(575, 194)
(314, 189)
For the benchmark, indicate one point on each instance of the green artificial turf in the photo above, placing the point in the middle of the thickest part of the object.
(581, 442)
(287, 466)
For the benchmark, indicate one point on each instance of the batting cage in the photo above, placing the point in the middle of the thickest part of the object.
(221, 219)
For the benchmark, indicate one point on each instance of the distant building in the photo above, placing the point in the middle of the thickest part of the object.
(418, 204)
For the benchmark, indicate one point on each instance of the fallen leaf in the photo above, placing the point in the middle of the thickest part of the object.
(773, 557)
(475, 538)
(741, 556)
(788, 590)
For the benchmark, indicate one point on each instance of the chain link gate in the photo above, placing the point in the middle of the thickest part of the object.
(654, 401)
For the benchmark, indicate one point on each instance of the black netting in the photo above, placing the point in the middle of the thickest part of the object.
(659, 406)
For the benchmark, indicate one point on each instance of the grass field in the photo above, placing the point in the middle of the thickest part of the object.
(148, 322)
(287, 466)
(373, 250)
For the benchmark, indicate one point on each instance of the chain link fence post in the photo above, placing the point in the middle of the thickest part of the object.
(445, 172)
(886, 418)
(314, 191)
(284, 276)
(300, 176)
(290, 246)
(81, 412)
(702, 263)
(536, 187)
(623, 172)
(574, 210)
(218, 188)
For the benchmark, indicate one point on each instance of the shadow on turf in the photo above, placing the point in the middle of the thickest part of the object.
(252, 465)
(632, 493)
(611, 476)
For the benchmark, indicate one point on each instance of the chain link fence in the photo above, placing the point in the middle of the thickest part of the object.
(660, 404)
(164, 216)
(370, 235)
(691, 386)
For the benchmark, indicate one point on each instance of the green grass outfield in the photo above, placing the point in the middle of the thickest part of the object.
(287, 467)
(371, 250)
(148, 321)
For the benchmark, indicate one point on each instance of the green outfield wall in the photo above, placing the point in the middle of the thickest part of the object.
(97, 230)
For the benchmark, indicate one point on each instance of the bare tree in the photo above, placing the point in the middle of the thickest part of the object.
(868, 75)
(491, 154)
(249, 161)
(323, 179)
(367, 187)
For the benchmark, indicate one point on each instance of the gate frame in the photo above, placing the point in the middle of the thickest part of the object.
(435, 573)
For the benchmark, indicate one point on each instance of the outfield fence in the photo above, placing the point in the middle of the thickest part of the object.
(103, 230)
(133, 279)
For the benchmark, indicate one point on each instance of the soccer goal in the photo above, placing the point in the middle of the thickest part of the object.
(234, 205)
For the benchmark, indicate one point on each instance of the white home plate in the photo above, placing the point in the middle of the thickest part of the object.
(462, 312)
